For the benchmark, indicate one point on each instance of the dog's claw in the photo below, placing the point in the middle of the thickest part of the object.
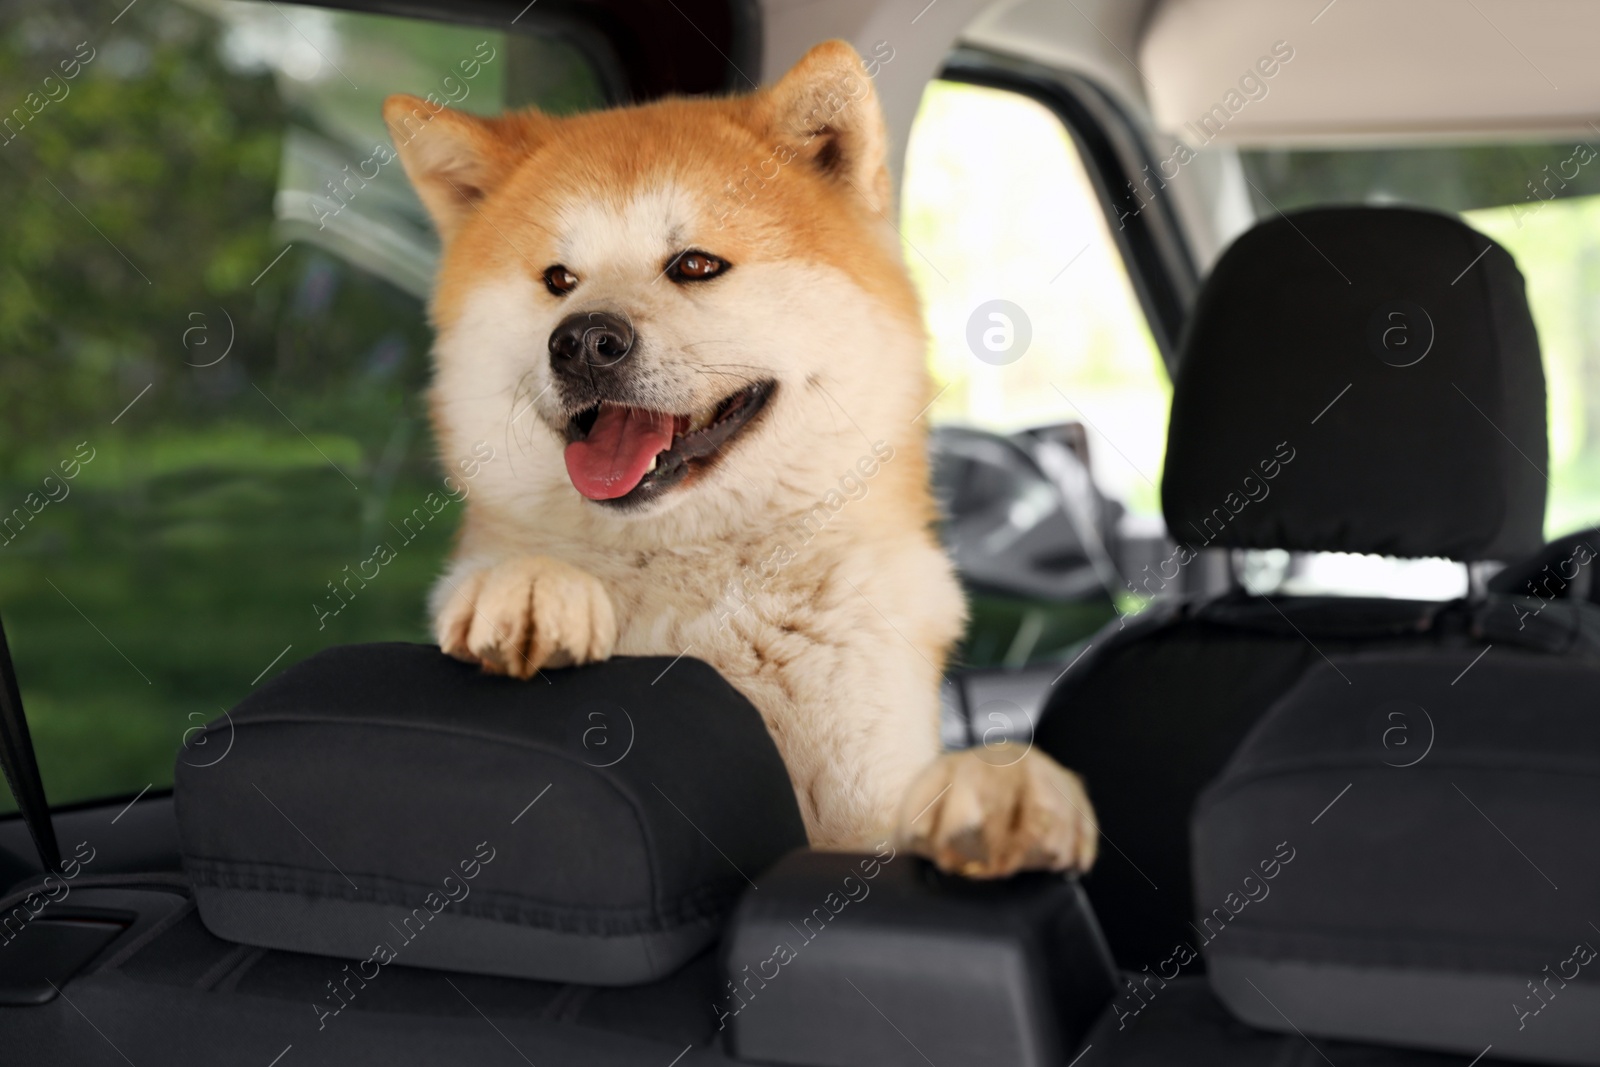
(523, 614)
(989, 813)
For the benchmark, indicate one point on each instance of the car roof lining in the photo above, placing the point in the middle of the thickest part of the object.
(1365, 71)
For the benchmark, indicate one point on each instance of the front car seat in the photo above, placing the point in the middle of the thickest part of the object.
(1353, 379)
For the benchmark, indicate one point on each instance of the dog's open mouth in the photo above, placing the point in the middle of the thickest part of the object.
(621, 454)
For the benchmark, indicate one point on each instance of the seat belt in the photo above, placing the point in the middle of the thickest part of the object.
(22, 769)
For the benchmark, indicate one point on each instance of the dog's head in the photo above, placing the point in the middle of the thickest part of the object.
(686, 294)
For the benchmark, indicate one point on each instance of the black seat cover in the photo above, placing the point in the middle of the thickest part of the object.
(388, 804)
(1561, 570)
(1344, 367)
(1352, 380)
(1389, 855)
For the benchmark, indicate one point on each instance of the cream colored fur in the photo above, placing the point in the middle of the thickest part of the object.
(829, 605)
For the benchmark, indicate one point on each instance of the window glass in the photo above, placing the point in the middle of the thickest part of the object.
(997, 206)
(214, 459)
(1542, 202)
(1033, 324)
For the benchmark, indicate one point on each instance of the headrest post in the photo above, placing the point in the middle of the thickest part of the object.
(1478, 575)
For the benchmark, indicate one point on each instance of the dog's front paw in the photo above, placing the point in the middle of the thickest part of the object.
(527, 613)
(994, 811)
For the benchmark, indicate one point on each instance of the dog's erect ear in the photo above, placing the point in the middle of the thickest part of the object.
(826, 111)
(454, 159)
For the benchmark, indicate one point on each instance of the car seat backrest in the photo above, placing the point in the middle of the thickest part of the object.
(1427, 799)
(1352, 379)
(1359, 379)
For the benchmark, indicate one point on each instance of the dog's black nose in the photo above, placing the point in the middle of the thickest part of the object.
(595, 338)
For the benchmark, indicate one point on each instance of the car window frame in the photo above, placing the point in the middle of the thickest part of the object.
(611, 34)
(1155, 253)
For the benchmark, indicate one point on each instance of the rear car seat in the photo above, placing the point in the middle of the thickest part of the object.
(390, 857)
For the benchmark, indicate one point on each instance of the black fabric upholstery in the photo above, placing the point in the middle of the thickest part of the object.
(1408, 916)
(1561, 570)
(1292, 427)
(386, 795)
(1390, 855)
(1295, 426)
(1515, 736)
(974, 972)
(1155, 710)
(1180, 1023)
(183, 998)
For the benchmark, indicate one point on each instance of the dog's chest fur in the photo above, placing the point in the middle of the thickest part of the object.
(838, 643)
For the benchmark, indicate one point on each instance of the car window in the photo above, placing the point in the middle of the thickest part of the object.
(1032, 323)
(214, 458)
(1542, 202)
(1030, 312)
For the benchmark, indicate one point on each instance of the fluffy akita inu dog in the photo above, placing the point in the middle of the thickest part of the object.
(690, 323)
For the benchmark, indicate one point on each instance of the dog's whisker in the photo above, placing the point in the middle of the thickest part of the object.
(722, 374)
(467, 398)
(742, 366)
(521, 428)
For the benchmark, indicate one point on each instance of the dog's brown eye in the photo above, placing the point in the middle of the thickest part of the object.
(694, 266)
(559, 280)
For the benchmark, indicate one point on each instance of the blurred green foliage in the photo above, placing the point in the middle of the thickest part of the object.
(137, 243)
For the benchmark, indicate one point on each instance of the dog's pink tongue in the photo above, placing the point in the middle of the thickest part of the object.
(615, 455)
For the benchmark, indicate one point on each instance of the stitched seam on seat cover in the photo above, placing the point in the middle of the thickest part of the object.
(228, 873)
(700, 905)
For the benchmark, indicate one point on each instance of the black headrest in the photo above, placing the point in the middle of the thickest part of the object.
(374, 792)
(1359, 379)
